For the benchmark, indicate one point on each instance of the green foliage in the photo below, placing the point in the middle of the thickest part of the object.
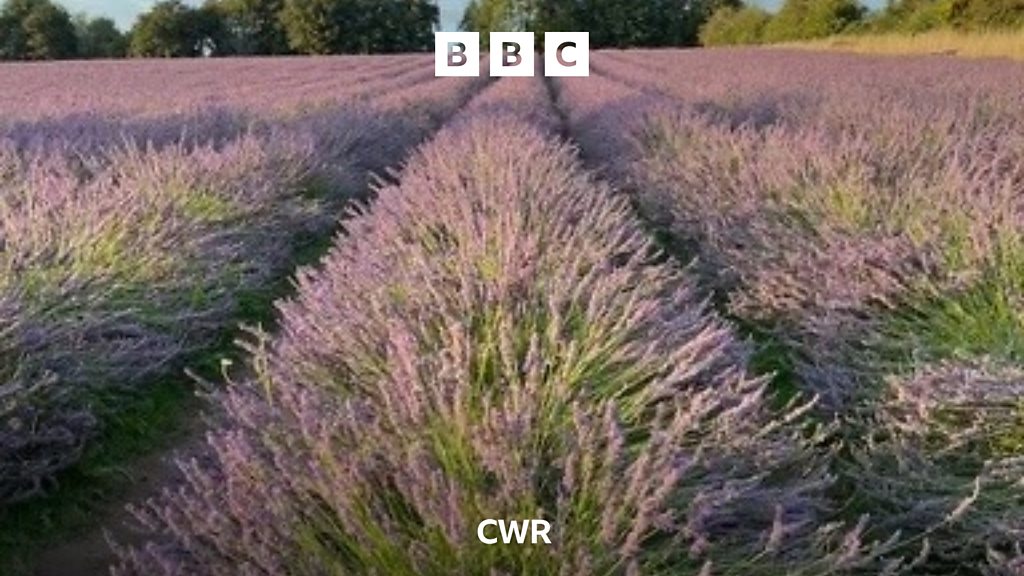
(808, 19)
(611, 23)
(99, 38)
(986, 14)
(252, 26)
(359, 26)
(138, 427)
(40, 29)
(172, 29)
(982, 320)
(11, 37)
(730, 26)
(486, 16)
(929, 16)
(36, 30)
(914, 16)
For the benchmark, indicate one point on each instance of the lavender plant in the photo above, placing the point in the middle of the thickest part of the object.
(943, 459)
(40, 431)
(157, 88)
(869, 246)
(129, 245)
(495, 339)
(120, 274)
(525, 99)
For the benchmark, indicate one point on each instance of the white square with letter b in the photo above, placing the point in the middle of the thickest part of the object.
(456, 54)
(512, 54)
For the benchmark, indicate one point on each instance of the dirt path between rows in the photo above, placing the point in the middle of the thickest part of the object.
(89, 554)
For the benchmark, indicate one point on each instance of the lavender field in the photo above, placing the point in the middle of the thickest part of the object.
(706, 312)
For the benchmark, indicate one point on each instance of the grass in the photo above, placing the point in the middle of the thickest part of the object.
(141, 426)
(981, 320)
(154, 421)
(206, 206)
(988, 44)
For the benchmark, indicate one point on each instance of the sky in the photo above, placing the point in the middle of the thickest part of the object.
(124, 11)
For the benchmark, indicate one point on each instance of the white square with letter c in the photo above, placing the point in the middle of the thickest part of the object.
(567, 54)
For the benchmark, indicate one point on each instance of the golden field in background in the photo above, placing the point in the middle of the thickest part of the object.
(992, 44)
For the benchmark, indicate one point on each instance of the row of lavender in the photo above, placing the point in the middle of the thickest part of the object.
(864, 216)
(497, 337)
(34, 91)
(129, 243)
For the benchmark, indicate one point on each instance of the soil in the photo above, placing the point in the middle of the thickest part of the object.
(89, 553)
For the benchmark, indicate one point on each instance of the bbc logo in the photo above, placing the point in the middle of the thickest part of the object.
(457, 54)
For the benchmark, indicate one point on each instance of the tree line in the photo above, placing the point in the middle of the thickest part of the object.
(810, 19)
(611, 23)
(43, 30)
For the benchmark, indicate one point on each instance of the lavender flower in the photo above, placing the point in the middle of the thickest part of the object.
(129, 240)
(869, 246)
(494, 339)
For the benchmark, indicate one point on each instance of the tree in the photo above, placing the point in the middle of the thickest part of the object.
(486, 16)
(828, 17)
(403, 25)
(788, 22)
(807, 19)
(11, 37)
(619, 23)
(984, 14)
(99, 38)
(252, 26)
(912, 16)
(173, 30)
(359, 26)
(36, 30)
(313, 26)
(731, 26)
(922, 15)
